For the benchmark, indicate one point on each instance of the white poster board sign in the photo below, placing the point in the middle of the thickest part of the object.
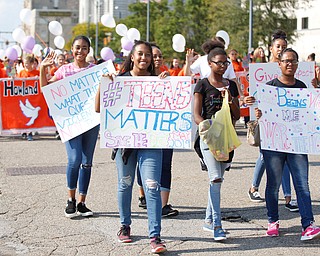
(71, 101)
(290, 120)
(265, 72)
(146, 112)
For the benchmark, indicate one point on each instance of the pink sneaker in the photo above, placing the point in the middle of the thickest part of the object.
(273, 229)
(310, 232)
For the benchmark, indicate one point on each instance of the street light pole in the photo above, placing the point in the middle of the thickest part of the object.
(97, 26)
(148, 20)
(250, 25)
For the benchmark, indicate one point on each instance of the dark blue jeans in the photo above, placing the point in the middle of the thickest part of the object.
(299, 168)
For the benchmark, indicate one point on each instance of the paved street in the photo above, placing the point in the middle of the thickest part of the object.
(33, 197)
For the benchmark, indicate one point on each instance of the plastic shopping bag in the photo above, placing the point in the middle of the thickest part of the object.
(219, 133)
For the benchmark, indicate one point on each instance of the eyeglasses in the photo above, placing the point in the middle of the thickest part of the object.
(221, 63)
(293, 62)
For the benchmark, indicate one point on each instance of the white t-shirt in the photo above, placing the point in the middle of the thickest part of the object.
(202, 67)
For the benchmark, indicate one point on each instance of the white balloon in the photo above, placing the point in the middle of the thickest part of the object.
(133, 34)
(37, 50)
(121, 29)
(2, 54)
(59, 42)
(178, 48)
(58, 52)
(18, 49)
(225, 36)
(18, 35)
(26, 16)
(179, 39)
(55, 28)
(108, 21)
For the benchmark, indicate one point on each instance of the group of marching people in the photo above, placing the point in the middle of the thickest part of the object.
(153, 166)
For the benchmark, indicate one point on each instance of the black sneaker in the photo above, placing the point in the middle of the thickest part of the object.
(292, 206)
(142, 202)
(167, 211)
(71, 209)
(255, 196)
(83, 210)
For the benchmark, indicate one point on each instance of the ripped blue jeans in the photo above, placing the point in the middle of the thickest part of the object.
(149, 162)
(216, 170)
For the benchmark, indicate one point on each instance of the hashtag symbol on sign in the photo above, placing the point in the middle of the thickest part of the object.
(112, 94)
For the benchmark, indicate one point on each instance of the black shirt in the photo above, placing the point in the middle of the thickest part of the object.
(212, 99)
(276, 82)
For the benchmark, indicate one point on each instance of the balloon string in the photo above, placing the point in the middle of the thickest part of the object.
(41, 40)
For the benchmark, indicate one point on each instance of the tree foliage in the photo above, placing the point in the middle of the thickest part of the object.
(199, 20)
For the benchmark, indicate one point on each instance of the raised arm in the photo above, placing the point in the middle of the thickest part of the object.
(48, 61)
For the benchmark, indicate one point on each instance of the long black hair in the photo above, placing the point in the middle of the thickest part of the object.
(128, 63)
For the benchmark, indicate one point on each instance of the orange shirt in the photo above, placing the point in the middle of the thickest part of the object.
(54, 69)
(25, 73)
(174, 71)
(181, 73)
(164, 68)
(237, 66)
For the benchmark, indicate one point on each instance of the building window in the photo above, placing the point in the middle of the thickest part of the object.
(305, 24)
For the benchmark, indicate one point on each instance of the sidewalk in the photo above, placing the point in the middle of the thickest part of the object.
(32, 222)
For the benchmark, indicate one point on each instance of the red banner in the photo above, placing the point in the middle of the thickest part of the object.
(23, 107)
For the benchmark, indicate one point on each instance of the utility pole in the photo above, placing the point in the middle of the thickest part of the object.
(98, 5)
(250, 25)
(148, 21)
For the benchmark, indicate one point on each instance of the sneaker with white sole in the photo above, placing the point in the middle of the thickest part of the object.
(292, 206)
(157, 246)
(124, 234)
(310, 232)
(168, 211)
(219, 234)
(71, 209)
(273, 229)
(255, 196)
(83, 210)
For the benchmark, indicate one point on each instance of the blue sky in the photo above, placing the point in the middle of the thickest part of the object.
(9, 18)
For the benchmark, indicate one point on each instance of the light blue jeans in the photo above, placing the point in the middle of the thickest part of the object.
(80, 155)
(259, 171)
(149, 162)
(216, 171)
(299, 168)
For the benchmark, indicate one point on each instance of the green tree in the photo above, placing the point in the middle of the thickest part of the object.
(270, 15)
